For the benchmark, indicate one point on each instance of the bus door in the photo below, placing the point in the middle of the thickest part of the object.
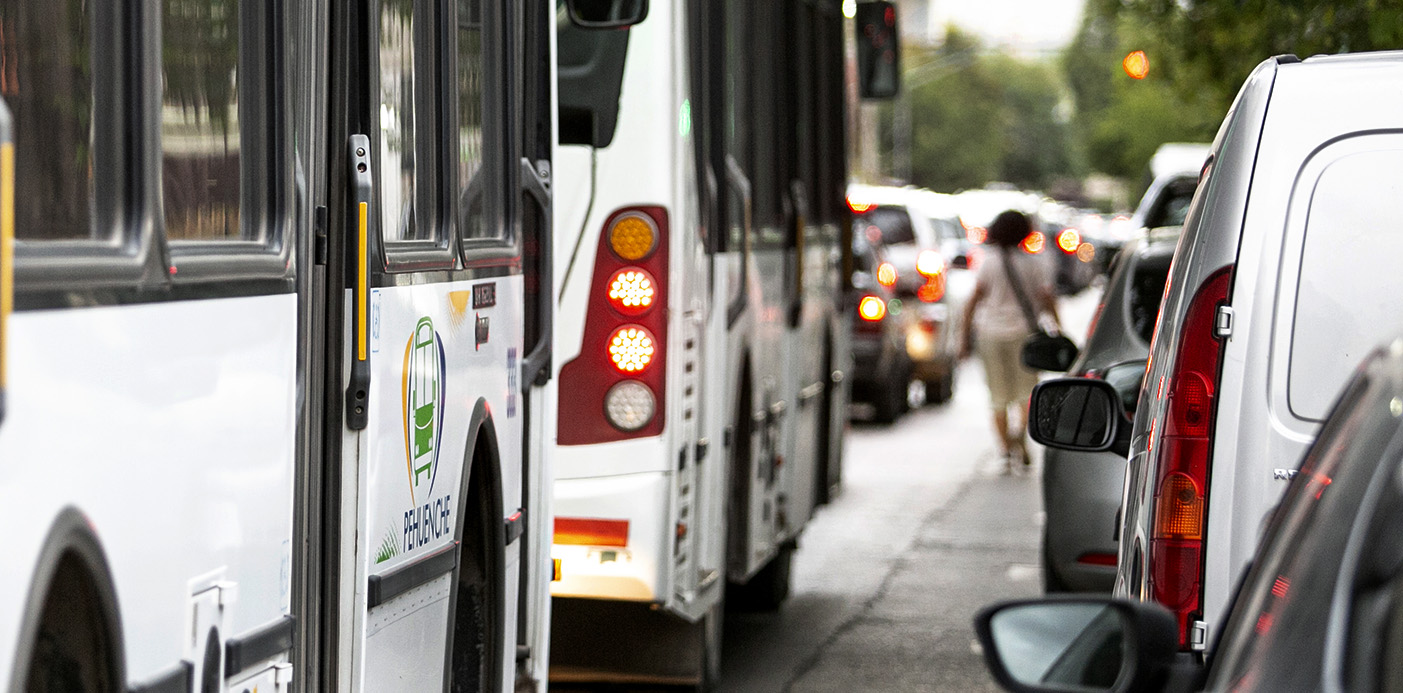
(439, 262)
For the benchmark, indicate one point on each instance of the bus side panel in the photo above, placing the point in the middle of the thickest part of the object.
(170, 427)
(436, 350)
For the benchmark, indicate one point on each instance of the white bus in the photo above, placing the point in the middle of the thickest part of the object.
(275, 330)
(700, 237)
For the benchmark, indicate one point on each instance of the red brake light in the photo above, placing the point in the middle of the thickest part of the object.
(1069, 241)
(933, 290)
(929, 263)
(631, 291)
(1033, 243)
(871, 308)
(1184, 451)
(886, 274)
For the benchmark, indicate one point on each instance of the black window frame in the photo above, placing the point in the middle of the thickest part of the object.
(129, 249)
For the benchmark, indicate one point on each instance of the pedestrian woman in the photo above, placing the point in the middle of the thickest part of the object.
(995, 318)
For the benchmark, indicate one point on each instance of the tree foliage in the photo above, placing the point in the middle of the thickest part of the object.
(978, 116)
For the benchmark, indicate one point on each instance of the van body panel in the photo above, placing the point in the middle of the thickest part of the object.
(1302, 196)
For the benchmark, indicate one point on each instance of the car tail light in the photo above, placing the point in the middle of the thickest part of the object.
(933, 290)
(886, 274)
(1069, 241)
(588, 531)
(1033, 243)
(872, 309)
(1185, 449)
(930, 264)
(614, 390)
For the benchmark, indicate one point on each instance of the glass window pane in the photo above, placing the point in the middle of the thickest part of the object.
(47, 81)
(471, 220)
(200, 119)
(397, 133)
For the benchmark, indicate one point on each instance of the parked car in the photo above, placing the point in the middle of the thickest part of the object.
(1082, 490)
(1321, 607)
(881, 367)
(1283, 278)
(912, 239)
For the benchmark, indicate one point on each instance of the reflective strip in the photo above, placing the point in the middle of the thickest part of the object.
(361, 284)
(7, 246)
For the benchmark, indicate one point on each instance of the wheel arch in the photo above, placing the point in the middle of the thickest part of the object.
(70, 549)
(481, 537)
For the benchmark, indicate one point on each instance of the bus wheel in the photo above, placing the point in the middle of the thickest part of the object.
(769, 587)
(72, 649)
(478, 638)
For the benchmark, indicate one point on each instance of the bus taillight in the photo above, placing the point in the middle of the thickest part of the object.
(616, 388)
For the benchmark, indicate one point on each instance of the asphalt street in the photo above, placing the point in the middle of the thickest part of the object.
(889, 576)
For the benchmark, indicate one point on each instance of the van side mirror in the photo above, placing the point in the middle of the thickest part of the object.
(878, 55)
(1078, 644)
(1079, 414)
(606, 14)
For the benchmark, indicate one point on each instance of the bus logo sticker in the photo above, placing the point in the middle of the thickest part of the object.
(423, 388)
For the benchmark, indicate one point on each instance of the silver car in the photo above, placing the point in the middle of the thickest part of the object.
(1082, 490)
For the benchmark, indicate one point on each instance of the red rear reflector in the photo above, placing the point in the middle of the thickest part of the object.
(584, 531)
(1107, 559)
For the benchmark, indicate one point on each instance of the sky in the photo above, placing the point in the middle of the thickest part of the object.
(1025, 27)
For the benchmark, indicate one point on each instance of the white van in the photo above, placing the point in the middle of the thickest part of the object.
(1285, 276)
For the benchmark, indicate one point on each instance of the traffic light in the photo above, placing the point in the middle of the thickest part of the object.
(1136, 65)
(878, 55)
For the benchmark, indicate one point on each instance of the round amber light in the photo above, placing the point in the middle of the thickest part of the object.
(631, 291)
(631, 349)
(872, 308)
(633, 236)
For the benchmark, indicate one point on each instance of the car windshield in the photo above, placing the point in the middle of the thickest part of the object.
(1282, 613)
(893, 222)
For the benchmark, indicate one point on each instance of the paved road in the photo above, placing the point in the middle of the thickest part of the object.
(888, 577)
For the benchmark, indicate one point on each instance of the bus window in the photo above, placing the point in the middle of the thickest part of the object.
(46, 78)
(200, 123)
(471, 125)
(397, 114)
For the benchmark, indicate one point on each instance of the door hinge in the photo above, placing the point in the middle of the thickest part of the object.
(1222, 322)
(1198, 636)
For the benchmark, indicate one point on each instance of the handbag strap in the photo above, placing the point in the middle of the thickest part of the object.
(1017, 285)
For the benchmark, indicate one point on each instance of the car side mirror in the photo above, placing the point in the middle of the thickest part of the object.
(1092, 644)
(1079, 414)
(606, 14)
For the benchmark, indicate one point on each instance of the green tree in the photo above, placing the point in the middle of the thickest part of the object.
(979, 116)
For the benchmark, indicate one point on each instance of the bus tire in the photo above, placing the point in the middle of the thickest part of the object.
(478, 606)
(769, 587)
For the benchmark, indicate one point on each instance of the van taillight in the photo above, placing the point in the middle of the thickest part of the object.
(614, 389)
(1185, 448)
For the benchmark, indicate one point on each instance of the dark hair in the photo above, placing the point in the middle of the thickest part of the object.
(1009, 229)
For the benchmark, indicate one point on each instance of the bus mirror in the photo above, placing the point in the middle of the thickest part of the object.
(878, 53)
(606, 14)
